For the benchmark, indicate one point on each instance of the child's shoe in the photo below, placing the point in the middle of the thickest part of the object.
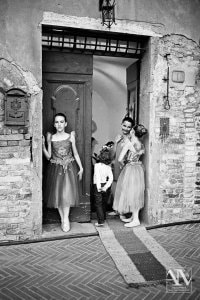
(113, 213)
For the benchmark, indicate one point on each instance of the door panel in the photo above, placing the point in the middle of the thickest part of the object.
(71, 95)
(132, 81)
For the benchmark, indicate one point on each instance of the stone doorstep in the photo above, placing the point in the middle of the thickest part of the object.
(83, 229)
(77, 229)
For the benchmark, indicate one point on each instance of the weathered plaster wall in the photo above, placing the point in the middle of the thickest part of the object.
(165, 17)
(21, 21)
(20, 161)
(20, 146)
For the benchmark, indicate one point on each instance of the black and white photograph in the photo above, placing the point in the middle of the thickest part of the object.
(99, 149)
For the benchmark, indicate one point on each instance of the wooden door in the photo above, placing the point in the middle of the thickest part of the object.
(67, 88)
(133, 86)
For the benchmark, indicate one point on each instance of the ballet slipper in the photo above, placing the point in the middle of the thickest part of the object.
(65, 226)
(122, 218)
(126, 220)
(132, 224)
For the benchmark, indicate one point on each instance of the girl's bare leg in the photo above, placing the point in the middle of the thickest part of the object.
(61, 214)
(65, 223)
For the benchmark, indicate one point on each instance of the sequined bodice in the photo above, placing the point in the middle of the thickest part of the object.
(61, 149)
(133, 156)
(62, 152)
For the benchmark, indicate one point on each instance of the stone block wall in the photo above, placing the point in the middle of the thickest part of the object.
(177, 154)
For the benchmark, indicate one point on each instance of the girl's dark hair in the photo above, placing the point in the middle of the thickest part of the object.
(104, 156)
(60, 115)
(140, 130)
(128, 119)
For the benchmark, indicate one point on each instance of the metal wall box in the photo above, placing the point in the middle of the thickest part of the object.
(178, 76)
(16, 107)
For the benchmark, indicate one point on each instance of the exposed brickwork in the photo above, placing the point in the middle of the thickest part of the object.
(15, 182)
(17, 210)
(178, 155)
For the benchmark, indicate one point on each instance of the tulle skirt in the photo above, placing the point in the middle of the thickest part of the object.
(61, 187)
(129, 193)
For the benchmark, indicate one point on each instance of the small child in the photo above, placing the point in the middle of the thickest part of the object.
(103, 178)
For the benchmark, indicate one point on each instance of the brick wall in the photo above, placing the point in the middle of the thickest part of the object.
(177, 154)
(20, 160)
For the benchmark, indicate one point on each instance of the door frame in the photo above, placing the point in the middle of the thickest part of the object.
(130, 27)
(54, 74)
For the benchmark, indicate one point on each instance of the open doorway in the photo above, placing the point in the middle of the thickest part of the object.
(110, 101)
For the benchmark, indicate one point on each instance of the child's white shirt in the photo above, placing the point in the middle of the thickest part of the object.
(102, 174)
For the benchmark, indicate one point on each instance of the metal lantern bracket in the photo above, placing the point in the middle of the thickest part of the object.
(107, 8)
(16, 107)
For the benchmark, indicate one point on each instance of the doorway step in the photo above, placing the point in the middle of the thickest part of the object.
(53, 231)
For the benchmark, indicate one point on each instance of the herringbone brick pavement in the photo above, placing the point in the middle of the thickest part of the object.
(183, 243)
(81, 269)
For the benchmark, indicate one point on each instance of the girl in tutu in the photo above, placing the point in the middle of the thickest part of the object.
(120, 141)
(129, 194)
(61, 190)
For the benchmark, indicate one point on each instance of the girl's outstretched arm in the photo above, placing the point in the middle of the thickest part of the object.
(47, 151)
(76, 156)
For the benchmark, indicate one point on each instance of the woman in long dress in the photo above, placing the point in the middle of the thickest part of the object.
(120, 141)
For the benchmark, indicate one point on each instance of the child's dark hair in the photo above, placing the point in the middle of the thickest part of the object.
(60, 115)
(109, 144)
(128, 119)
(104, 156)
(140, 130)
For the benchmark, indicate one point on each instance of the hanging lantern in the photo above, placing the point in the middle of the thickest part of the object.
(107, 8)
